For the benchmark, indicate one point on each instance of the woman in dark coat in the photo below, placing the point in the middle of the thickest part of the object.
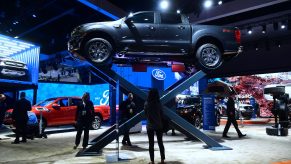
(84, 117)
(154, 113)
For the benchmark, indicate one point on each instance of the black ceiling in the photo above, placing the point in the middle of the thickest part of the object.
(52, 24)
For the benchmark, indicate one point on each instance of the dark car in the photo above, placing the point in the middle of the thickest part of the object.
(244, 111)
(155, 37)
(190, 108)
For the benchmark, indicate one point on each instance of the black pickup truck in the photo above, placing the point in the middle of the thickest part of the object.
(155, 37)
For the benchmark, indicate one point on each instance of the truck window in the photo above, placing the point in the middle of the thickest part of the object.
(169, 18)
(63, 102)
(147, 17)
(76, 102)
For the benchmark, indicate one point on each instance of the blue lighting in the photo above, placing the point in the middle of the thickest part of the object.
(91, 5)
(9, 46)
(33, 15)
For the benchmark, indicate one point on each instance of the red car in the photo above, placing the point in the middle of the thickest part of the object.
(62, 111)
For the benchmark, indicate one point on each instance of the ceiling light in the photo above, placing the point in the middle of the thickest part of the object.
(208, 3)
(164, 4)
(250, 31)
(283, 24)
(264, 29)
(178, 11)
(33, 15)
(219, 2)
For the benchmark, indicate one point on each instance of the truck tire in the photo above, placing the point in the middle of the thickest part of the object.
(208, 56)
(275, 90)
(99, 51)
(96, 124)
(197, 122)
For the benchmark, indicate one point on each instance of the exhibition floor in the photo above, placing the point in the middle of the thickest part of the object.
(256, 147)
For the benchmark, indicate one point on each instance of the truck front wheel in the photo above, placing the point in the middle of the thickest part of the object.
(99, 51)
(208, 56)
(96, 124)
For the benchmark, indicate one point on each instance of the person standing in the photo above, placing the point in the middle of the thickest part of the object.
(230, 110)
(84, 117)
(127, 110)
(3, 108)
(154, 113)
(19, 114)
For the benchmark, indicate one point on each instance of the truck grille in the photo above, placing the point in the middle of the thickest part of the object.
(14, 64)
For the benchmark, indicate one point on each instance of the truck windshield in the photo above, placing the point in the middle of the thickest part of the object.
(45, 102)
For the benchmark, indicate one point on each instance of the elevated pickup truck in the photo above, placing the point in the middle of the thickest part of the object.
(155, 37)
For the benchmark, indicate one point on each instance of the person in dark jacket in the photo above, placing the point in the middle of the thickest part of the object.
(3, 108)
(84, 117)
(230, 110)
(154, 114)
(127, 111)
(19, 114)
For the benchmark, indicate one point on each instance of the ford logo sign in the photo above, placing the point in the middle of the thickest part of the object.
(159, 74)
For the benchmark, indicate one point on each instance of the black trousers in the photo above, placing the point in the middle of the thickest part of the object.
(20, 130)
(231, 120)
(151, 134)
(80, 127)
(126, 138)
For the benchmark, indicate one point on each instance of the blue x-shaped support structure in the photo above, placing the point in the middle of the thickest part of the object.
(178, 122)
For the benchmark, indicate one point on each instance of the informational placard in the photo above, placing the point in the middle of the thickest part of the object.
(208, 108)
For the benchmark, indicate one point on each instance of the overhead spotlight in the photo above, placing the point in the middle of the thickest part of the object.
(33, 15)
(256, 46)
(264, 29)
(16, 37)
(283, 24)
(164, 4)
(278, 44)
(219, 2)
(178, 11)
(15, 22)
(250, 31)
(275, 26)
(208, 3)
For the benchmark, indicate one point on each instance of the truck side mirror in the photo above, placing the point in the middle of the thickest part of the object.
(56, 106)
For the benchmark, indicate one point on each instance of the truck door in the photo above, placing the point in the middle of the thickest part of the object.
(138, 32)
(174, 33)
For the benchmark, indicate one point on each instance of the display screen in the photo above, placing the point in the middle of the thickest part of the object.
(99, 93)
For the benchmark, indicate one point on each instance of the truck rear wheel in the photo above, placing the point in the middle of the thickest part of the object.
(99, 51)
(96, 124)
(208, 56)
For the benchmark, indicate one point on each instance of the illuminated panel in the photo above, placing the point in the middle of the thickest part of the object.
(19, 61)
(99, 94)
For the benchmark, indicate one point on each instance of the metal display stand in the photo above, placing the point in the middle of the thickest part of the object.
(167, 99)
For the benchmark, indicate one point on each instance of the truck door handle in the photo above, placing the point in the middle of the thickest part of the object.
(181, 27)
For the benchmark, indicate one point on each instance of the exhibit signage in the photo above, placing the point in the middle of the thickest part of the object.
(159, 74)
(208, 109)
